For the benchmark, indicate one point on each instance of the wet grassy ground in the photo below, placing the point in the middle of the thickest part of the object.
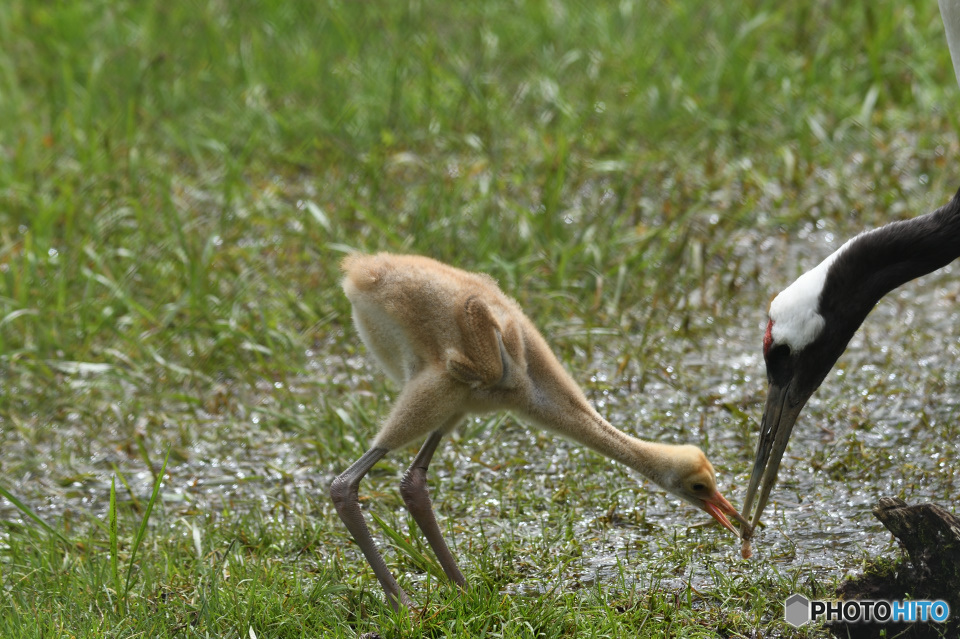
(180, 182)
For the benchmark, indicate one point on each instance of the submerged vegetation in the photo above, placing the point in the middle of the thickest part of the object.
(180, 381)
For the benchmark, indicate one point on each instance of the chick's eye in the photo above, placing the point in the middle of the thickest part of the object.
(698, 487)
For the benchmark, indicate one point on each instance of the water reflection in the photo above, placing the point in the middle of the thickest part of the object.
(883, 424)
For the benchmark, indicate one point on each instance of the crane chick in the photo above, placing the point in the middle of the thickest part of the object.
(457, 345)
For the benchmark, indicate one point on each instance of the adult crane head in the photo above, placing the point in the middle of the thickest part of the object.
(812, 320)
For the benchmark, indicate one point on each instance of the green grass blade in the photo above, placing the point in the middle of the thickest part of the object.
(26, 510)
(114, 560)
(210, 592)
(145, 455)
(123, 480)
(143, 525)
(422, 561)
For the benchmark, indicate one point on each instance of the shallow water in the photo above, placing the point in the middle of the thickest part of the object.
(884, 423)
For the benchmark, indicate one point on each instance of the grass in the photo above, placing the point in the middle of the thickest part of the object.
(180, 180)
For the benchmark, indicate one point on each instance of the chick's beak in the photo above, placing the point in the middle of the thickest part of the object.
(718, 507)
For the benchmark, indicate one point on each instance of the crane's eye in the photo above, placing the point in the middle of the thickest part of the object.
(772, 350)
(778, 362)
(780, 351)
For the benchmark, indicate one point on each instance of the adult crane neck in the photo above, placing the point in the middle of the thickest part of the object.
(876, 262)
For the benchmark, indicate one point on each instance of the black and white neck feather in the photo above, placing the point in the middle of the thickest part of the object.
(812, 320)
(824, 307)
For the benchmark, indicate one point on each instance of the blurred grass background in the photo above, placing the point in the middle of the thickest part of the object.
(179, 180)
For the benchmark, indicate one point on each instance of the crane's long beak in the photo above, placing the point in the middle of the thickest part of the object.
(718, 507)
(775, 428)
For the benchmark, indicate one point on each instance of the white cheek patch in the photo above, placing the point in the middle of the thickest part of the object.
(796, 321)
